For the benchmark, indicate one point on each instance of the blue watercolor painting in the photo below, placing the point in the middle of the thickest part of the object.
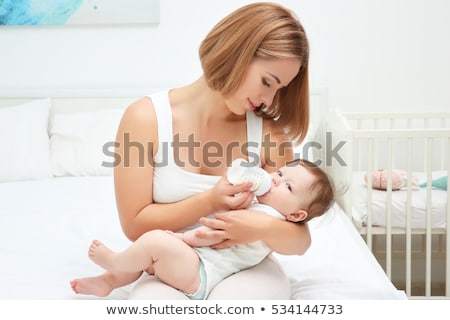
(34, 12)
(58, 12)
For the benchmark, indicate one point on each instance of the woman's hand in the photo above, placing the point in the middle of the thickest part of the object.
(245, 226)
(237, 226)
(226, 196)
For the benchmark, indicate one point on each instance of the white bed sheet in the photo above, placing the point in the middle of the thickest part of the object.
(399, 201)
(338, 265)
(46, 227)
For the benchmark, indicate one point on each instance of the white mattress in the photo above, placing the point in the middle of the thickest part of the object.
(418, 204)
(47, 225)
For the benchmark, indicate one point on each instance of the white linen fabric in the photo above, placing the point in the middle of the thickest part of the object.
(338, 265)
(45, 230)
(82, 143)
(24, 152)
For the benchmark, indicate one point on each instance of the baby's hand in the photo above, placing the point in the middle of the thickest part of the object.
(179, 235)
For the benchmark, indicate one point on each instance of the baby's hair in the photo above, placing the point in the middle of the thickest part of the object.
(323, 190)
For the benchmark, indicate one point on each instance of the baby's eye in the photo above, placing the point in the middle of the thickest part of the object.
(289, 187)
(279, 173)
(264, 82)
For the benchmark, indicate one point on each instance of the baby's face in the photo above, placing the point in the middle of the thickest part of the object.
(290, 189)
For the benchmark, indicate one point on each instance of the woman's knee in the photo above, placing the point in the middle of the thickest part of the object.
(150, 287)
(265, 281)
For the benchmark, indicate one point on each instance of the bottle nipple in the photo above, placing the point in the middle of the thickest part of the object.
(241, 171)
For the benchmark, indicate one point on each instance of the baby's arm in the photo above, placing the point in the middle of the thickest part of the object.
(193, 240)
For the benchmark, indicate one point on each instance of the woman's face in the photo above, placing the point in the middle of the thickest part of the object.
(264, 77)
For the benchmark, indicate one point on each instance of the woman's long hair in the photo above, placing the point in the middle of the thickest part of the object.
(261, 30)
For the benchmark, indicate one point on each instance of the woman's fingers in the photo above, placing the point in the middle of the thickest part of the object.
(243, 187)
(241, 200)
(217, 230)
(235, 226)
(215, 234)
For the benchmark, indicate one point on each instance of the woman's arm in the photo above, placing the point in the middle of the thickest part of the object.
(244, 226)
(136, 143)
(274, 240)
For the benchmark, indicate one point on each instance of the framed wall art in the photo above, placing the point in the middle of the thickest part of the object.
(78, 12)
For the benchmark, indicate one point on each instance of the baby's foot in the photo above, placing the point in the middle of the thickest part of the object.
(97, 286)
(101, 255)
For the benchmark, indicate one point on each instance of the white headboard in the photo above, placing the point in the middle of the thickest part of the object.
(76, 100)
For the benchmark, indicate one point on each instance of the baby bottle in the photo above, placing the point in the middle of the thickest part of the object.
(241, 171)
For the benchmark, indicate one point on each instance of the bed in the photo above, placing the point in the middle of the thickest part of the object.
(404, 222)
(56, 196)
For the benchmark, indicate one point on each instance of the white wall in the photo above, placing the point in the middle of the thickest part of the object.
(372, 55)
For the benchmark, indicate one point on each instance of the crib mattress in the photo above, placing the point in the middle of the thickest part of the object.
(419, 200)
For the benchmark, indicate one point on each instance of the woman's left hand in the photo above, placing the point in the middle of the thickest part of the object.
(236, 226)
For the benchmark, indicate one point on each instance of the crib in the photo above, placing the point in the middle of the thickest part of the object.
(406, 229)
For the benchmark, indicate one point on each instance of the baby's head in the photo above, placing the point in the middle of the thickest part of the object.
(300, 191)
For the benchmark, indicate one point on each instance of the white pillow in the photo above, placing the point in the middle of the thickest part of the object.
(77, 142)
(24, 141)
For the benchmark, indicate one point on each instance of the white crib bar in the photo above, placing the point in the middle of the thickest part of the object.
(428, 153)
(369, 193)
(389, 211)
(443, 141)
(408, 242)
(447, 227)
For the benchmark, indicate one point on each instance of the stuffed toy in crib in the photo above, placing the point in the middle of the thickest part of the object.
(399, 180)
(438, 183)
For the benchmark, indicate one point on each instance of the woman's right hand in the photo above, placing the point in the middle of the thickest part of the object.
(226, 196)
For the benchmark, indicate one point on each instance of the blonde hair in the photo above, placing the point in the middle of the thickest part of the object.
(261, 30)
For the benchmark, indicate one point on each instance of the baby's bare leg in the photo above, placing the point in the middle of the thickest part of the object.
(158, 252)
(103, 256)
(103, 284)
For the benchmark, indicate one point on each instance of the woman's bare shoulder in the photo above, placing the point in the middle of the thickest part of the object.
(139, 120)
(139, 110)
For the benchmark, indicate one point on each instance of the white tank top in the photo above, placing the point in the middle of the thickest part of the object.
(171, 182)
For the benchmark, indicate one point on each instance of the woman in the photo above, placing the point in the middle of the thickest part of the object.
(174, 147)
